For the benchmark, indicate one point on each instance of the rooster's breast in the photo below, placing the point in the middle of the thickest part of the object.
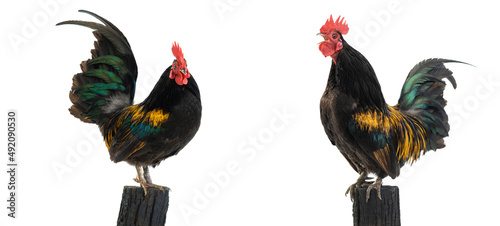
(336, 109)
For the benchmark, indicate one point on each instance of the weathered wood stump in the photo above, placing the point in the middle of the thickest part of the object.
(137, 209)
(376, 212)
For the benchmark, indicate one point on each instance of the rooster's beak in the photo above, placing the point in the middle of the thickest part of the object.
(322, 35)
(183, 71)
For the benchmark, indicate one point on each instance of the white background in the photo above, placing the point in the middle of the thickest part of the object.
(253, 61)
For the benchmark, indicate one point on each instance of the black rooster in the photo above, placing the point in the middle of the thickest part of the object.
(143, 134)
(373, 136)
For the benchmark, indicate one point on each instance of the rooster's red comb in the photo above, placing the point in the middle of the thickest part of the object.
(177, 51)
(339, 25)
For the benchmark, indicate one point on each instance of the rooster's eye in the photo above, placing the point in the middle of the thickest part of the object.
(334, 36)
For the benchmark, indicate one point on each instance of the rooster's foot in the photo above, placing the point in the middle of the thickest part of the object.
(146, 185)
(360, 182)
(377, 185)
(144, 179)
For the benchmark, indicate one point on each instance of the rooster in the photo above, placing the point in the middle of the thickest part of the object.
(141, 134)
(373, 136)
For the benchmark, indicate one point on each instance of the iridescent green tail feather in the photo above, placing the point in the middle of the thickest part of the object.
(107, 81)
(422, 97)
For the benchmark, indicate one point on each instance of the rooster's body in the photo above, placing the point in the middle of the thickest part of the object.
(373, 136)
(143, 134)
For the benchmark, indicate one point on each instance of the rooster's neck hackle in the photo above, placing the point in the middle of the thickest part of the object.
(167, 93)
(353, 75)
(164, 94)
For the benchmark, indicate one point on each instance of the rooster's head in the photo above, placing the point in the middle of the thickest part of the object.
(332, 32)
(179, 70)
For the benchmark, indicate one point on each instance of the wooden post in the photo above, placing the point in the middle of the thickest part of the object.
(376, 212)
(137, 209)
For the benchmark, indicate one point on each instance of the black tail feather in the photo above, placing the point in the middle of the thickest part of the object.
(422, 98)
(106, 79)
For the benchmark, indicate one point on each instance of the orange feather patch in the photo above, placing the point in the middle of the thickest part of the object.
(154, 118)
(383, 158)
(409, 132)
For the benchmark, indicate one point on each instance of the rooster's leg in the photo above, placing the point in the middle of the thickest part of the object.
(377, 185)
(144, 179)
(360, 182)
(146, 175)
